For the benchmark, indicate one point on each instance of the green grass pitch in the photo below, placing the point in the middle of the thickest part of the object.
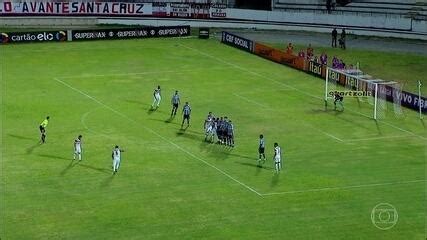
(173, 185)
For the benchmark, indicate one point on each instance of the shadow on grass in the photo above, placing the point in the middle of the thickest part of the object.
(69, 166)
(134, 101)
(275, 179)
(258, 167)
(378, 127)
(21, 137)
(169, 121)
(31, 148)
(151, 110)
(183, 133)
(102, 170)
(215, 150)
(52, 156)
(241, 156)
(107, 181)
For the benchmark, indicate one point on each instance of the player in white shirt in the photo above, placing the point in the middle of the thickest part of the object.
(116, 156)
(157, 98)
(277, 157)
(78, 148)
(208, 125)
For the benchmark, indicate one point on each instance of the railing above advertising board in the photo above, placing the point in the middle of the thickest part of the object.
(111, 9)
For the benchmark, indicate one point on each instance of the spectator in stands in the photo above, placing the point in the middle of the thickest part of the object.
(301, 53)
(329, 5)
(310, 52)
(342, 39)
(335, 62)
(334, 37)
(342, 64)
(324, 59)
(290, 49)
(316, 59)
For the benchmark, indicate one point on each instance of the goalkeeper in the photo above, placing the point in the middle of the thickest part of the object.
(338, 99)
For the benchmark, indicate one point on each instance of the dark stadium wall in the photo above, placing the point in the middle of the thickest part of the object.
(254, 4)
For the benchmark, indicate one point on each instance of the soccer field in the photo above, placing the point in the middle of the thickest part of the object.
(172, 184)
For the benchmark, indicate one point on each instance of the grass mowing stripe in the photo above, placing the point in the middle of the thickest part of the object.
(142, 73)
(294, 88)
(160, 136)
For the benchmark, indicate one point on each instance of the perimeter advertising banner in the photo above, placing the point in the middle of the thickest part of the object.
(237, 42)
(128, 33)
(316, 69)
(180, 10)
(75, 8)
(218, 11)
(160, 9)
(27, 37)
(200, 10)
(279, 56)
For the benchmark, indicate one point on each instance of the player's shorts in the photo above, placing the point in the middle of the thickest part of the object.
(261, 150)
(187, 117)
(175, 105)
(229, 134)
(77, 151)
(208, 129)
(42, 129)
(277, 159)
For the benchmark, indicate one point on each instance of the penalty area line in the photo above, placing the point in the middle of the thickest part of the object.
(251, 101)
(160, 136)
(344, 187)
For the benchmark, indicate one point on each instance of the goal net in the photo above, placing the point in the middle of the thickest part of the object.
(375, 98)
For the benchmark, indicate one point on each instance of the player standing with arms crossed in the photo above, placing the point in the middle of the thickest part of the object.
(157, 98)
(78, 148)
(175, 103)
(42, 128)
(116, 156)
(277, 158)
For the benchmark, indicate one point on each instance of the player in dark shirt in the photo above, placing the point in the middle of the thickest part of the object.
(338, 99)
(230, 134)
(186, 111)
(261, 149)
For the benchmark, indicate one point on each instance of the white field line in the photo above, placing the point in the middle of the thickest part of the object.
(345, 187)
(377, 138)
(83, 122)
(160, 136)
(251, 101)
(292, 87)
(141, 73)
(330, 135)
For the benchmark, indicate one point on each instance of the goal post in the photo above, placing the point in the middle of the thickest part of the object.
(372, 95)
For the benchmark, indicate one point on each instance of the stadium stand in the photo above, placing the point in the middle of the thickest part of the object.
(409, 8)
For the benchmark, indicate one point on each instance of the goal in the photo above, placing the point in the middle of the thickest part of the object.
(376, 97)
